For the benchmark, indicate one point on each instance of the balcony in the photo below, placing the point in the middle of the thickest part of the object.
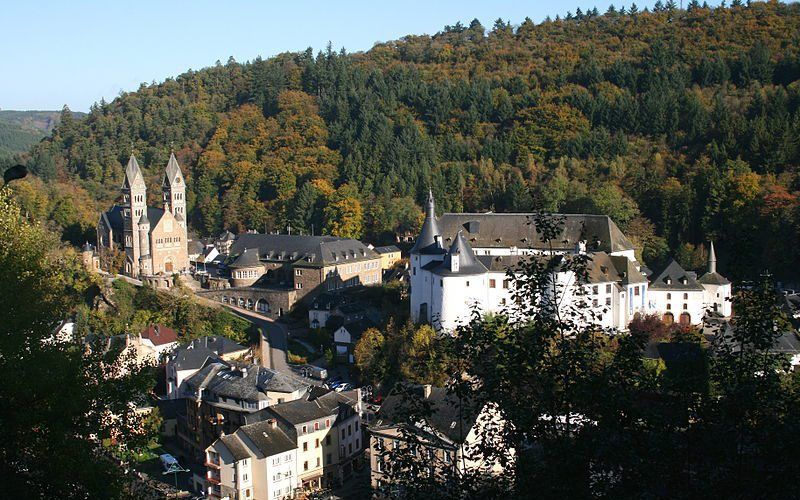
(213, 479)
(212, 464)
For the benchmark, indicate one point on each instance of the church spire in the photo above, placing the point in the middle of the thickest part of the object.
(132, 172)
(430, 208)
(712, 259)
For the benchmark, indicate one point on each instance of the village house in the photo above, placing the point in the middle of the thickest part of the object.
(187, 359)
(326, 428)
(257, 461)
(222, 397)
(441, 440)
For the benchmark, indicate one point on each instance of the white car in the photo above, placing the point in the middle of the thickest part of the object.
(344, 387)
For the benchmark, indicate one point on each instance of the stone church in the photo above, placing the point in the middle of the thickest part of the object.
(154, 239)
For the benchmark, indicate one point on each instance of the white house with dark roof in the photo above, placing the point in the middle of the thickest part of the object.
(460, 263)
(186, 360)
(256, 461)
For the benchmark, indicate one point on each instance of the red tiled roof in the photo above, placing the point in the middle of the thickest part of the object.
(160, 334)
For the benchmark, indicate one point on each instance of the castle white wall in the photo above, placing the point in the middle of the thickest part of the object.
(677, 302)
(717, 298)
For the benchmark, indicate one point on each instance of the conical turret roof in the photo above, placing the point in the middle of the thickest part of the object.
(426, 241)
(467, 263)
(712, 277)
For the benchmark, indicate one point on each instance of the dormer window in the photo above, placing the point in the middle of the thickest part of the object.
(684, 280)
(669, 281)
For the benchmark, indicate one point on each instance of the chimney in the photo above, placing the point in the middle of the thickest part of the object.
(244, 372)
(273, 424)
(426, 390)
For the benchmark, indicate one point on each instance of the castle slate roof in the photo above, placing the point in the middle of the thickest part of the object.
(629, 274)
(505, 230)
(227, 236)
(310, 251)
(468, 264)
(674, 277)
(426, 242)
(269, 441)
(446, 416)
(713, 279)
(501, 263)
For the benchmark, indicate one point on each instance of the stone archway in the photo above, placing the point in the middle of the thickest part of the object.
(668, 318)
(249, 304)
(168, 265)
(262, 306)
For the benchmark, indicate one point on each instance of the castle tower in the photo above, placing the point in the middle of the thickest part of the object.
(427, 248)
(712, 259)
(174, 188)
(134, 204)
(145, 260)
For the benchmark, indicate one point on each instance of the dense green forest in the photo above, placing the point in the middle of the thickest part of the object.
(682, 125)
(20, 130)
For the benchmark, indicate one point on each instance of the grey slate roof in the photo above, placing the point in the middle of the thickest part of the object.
(679, 279)
(227, 236)
(306, 251)
(468, 264)
(235, 446)
(713, 279)
(446, 416)
(248, 258)
(506, 230)
(386, 249)
(221, 379)
(501, 263)
(626, 268)
(193, 355)
(269, 441)
(314, 405)
(426, 241)
(114, 216)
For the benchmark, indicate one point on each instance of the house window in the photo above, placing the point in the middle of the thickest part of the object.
(327, 423)
(305, 446)
(669, 306)
(298, 272)
(356, 425)
(467, 283)
(636, 291)
(594, 290)
(608, 301)
(685, 306)
(305, 429)
(317, 461)
(594, 302)
(305, 465)
(505, 284)
(316, 426)
(608, 288)
(669, 296)
(316, 444)
(298, 286)
(492, 283)
(244, 477)
(685, 296)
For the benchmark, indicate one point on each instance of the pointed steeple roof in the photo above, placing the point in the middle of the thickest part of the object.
(427, 240)
(132, 172)
(460, 259)
(143, 219)
(712, 277)
(173, 171)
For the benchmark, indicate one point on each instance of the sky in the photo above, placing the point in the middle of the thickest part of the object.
(76, 52)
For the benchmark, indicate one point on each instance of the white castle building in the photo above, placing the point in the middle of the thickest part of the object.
(460, 262)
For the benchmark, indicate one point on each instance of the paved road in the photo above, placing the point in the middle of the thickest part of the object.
(274, 339)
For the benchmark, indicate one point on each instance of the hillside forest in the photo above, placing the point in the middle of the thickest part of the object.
(682, 125)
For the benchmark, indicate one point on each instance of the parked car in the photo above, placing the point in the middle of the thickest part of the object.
(317, 372)
(344, 387)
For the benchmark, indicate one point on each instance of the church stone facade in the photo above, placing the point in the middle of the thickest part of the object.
(154, 239)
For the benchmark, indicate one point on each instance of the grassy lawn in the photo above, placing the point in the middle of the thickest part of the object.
(298, 354)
